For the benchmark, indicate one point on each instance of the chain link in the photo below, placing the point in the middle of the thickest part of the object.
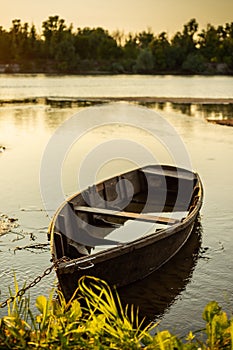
(22, 291)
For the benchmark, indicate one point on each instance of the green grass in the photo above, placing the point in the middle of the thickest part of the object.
(95, 319)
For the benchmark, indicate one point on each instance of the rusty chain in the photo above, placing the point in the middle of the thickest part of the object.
(22, 291)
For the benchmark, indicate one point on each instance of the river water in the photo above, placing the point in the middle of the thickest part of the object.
(21, 86)
(202, 271)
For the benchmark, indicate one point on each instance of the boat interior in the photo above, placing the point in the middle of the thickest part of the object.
(124, 208)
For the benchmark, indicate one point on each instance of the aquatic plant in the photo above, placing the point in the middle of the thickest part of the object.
(95, 319)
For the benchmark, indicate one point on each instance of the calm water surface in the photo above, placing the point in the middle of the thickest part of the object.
(203, 271)
(22, 86)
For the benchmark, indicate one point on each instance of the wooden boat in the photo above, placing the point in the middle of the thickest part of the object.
(124, 228)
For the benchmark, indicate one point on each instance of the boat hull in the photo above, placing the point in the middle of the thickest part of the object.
(127, 264)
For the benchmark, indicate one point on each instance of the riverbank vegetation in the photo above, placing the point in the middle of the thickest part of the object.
(97, 320)
(60, 48)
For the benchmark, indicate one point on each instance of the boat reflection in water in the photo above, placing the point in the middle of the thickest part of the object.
(156, 293)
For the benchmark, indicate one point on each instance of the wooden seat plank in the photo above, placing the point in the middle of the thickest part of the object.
(127, 215)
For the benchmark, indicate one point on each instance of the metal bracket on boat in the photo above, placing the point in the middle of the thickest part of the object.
(86, 267)
(79, 264)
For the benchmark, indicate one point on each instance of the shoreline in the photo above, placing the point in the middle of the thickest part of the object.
(156, 99)
(102, 99)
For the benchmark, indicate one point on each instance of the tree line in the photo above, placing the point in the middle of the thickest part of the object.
(62, 49)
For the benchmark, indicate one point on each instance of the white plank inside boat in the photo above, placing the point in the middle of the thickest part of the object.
(133, 230)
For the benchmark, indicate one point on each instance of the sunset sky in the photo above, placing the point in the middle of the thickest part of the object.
(128, 15)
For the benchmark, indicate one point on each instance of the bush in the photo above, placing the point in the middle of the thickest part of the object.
(145, 62)
(194, 63)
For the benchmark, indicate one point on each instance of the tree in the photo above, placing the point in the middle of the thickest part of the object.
(194, 63)
(184, 43)
(145, 62)
(96, 44)
(52, 26)
(118, 36)
(190, 28)
(144, 39)
(216, 44)
(131, 48)
(160, 47)
(65, 56)
(208, 43)
(53, 32)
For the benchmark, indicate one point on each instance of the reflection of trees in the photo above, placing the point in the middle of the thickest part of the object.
(153, 105)
(60, 48)
(156, 293)
(217, 111)
(213, 111)
(184, 108)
